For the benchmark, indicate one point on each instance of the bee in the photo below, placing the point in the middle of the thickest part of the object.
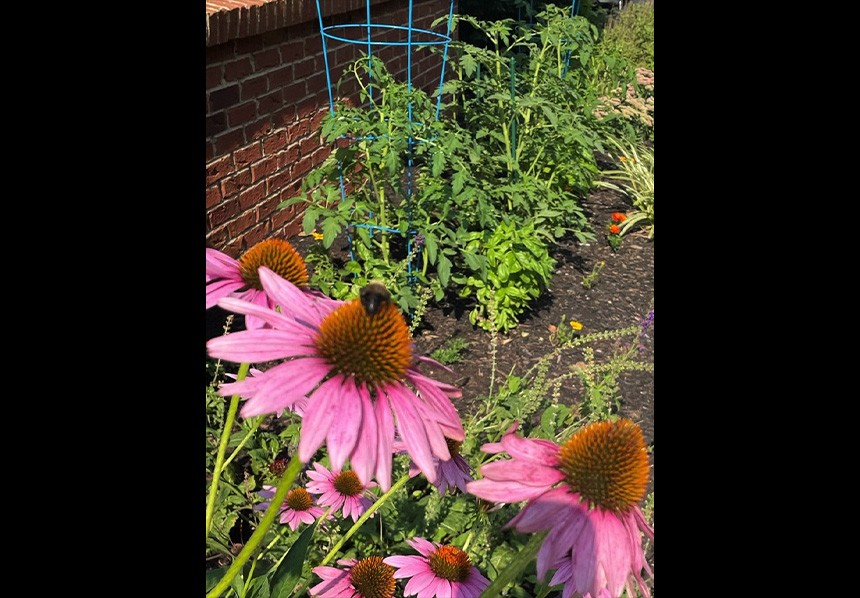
(373, 296)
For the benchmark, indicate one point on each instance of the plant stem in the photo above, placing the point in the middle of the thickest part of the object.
(265, 523)
(365, 516)
(523, 559)
(222, 449)
(244, 440)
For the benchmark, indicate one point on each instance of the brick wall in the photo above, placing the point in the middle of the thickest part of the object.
(266, 95)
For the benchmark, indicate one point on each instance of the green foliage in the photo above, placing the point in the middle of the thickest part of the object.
(511, 267)
(451, 352)
(631, 34)
(590, 279)
(636, 173)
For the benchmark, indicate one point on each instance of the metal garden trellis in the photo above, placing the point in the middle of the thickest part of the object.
(363, 34)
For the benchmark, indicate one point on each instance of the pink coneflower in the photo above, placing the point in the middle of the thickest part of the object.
(586, 492)
(441, 571)
(367, 578)
(357, 370)
(342, 489)
(453, 473)
(297, 508)
(226, 276)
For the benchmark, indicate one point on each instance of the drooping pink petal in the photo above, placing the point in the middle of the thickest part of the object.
(289, 296)
(282, 322)
(255, 346)
(584, 560)
(220, 288)
(507, 492)
(385, 438)
(561, 537)
(412, 431)
(613, 553)
(320, 412)
(260, 299)
(345, 427)
(284, 386)
(538, 450)
(419, 583)
(363, 458)
(221, 265)
(545, 511)
(524, 472)
(443, 406)
(407, 566)
(443, 588)
(422, 545)
(438, 445)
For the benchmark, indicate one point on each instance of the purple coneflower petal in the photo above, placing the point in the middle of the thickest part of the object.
(407, 565)
(220, 265)
(412, 431)
(319, 415)
(443, 588)
(419, 582)
(289, 296)
(284, 387)
(280, 321)
(384, 438)
(363, 458)
(524, 472)
(563, 534)
(221, 288)
(539, 450)
(545, 511)
(422, 545)
(254, 346)
(506, 492)
(344, 429)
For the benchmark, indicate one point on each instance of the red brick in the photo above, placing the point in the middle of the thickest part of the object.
(280, 77)
(263, 168)
(236, 183)
(298, 130)
(317, 85)
(266, 59)
(243, 157)
(244, 29)
(278, 181)
(313, 45)
(303, 69)
(271, 102)
(284, 117)
(222, 213)
(305, 110)
(248, 45)
(251, 88)
(232, 24)
(218, 169)
(234, 247)
(216, 238)
(275, 37)
(309, 145)
(254, 20)
(265, 209)
(213, 196)
(252, 196)
(241, 224)
(219, 53)
(216, 123)
(213, 75)
(303, 166)
(257, 234)
(229, 141)
(316, 122)
(274, 142)
(288, 157)
(292, 51)
(242, 114)
(259, 129)
(285, 227)
(224, 98)
(237, 69)
(294, 92)
(210, 151)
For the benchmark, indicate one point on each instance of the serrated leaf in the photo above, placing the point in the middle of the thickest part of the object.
(309, 220)
(330, 229)
(444, 270)
(287, 574)
(430, 245)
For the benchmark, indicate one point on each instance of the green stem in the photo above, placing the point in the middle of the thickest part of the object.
(510, 573)
(222, 449)
(373, 508)
(242, 443)
(265, 523)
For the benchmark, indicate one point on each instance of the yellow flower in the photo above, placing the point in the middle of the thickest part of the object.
(577, 326)
(317, 236)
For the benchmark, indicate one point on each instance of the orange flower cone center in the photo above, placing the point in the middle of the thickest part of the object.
(451, 563)
(278, 256)
(299, 499)
(347, 483)
(372, 578)
(607, 464)
(375, 350)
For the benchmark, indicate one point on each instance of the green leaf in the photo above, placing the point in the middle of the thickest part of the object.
(330, 229)
(473, 261)
(444, 270)
(431, 245)
(214, 576)
(309, 220)
(286, 576)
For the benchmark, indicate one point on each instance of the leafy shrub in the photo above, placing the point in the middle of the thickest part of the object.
(631, 34)
(636, 171)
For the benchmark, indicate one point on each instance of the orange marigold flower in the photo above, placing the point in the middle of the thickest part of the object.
(618, 217)
(614, 229)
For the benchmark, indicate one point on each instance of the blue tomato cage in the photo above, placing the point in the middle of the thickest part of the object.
(380, 36)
